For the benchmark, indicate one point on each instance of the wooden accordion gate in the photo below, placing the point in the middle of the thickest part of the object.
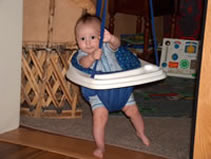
(45, 92)
(48, 43)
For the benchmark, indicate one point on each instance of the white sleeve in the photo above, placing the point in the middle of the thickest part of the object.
(107, 46)
(80, 55)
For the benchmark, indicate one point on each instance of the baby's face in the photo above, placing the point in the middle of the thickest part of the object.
(87, 36)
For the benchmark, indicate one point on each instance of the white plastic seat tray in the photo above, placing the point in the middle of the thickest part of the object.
(145, 74)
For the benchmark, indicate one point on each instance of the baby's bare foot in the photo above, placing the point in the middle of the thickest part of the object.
(98, 153)
(144, 139)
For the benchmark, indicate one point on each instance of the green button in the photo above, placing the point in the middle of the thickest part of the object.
(184, 64)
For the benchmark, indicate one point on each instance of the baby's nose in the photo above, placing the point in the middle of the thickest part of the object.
(87, 42)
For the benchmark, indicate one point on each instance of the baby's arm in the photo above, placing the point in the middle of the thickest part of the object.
(113, 41)
(87, 61)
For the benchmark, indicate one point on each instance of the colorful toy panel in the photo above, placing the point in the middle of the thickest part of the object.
(179, 57)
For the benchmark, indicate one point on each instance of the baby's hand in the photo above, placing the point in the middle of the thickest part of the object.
(107, 36)
(97, 54)
(113, 41)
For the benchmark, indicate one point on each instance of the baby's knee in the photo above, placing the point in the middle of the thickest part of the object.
(100, 113)
(131, 110)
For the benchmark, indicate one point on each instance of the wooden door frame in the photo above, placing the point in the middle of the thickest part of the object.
(200, 147)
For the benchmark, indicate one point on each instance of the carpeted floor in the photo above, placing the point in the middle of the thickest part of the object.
(170, 136)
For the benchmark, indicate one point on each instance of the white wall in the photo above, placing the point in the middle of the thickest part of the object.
(10, 63)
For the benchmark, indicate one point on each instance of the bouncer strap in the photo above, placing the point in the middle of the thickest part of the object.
(153, 32)
(99, 3)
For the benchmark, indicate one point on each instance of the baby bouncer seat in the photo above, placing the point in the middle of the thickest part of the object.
(115, 88)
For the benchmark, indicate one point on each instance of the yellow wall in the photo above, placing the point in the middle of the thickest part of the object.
(40, 27)
(126, 24)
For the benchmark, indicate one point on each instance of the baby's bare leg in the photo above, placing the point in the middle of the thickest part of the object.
(133, 113)
(100, 118)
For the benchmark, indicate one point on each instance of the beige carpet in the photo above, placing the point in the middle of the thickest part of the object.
(170, 137)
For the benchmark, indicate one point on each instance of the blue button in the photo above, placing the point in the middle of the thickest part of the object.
(174, 56)
(176, 46)
(164, 64)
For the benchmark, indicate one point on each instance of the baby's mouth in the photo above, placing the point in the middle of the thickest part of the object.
(89, 48)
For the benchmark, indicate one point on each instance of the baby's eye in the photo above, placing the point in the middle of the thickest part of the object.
(92, 37)
(83, 38)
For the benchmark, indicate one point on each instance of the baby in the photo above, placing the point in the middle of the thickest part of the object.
(87, 31)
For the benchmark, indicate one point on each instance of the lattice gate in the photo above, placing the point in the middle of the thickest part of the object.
(45, 91)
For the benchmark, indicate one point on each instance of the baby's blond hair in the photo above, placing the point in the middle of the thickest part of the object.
(87, 18)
